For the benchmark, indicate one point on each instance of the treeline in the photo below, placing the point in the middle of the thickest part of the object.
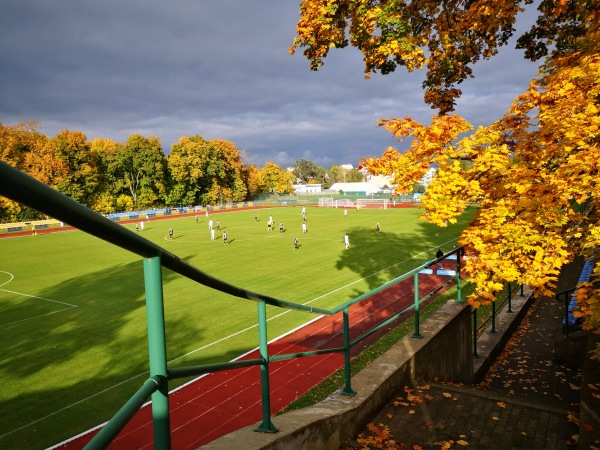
(109, 176)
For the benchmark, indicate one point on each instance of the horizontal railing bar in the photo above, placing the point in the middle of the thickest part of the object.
(498, 306)
(566, 292)
(483, 324)
(114, 426)
(381, 325)
(323, 351)
(183, 372)
(389, 283)
(434, 291)
(507, 297)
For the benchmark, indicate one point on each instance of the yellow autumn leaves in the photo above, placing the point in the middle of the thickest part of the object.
(534, 174)
(446, 39)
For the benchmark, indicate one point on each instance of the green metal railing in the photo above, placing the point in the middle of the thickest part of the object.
(23, 189)
(496, 306)
(567, 295)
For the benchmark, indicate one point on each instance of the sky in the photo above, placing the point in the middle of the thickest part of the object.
(219, 69)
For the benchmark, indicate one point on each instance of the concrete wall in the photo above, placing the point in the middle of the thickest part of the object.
(447, 355)
(589, 409)
(444, 352)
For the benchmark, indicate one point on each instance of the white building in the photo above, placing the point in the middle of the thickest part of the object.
(361, 188)
(307, 188)
(426, 179)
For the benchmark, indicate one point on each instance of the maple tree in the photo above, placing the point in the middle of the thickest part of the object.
(340, 174)
(104, 150)
(110, 176)
(205, 171)
(250, 175)
(17, 142)
(80, 176)
(139, 168)
(308, 171)
(273, 178)
(64, 162)
(228, 182)
(534, 173)
(445, 37)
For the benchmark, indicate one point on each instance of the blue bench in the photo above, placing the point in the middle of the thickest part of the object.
(571, 321)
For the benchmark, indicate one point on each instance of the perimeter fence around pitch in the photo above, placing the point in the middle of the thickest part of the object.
(316, 198)
(23, 189)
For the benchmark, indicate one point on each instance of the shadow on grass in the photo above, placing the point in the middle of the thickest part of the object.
(66, 372)
(368, 248)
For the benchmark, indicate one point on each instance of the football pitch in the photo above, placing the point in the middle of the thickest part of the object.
(72, 307)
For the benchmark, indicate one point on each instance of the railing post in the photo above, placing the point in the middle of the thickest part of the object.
(458, 276)
(266, 426)
(157, 350)
(522, 290)
(348, 388)
(493, 330)
(566, 315)
(509, 298)
(416, 335)
(474, 314)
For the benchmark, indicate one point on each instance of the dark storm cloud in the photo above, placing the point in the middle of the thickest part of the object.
(219, 69)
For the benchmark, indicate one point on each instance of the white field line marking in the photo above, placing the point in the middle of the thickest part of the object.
(41, 298)
(204, 347)
(34, 317)
(12, 277)
(69, 406)
(289, 310)
(70, 306)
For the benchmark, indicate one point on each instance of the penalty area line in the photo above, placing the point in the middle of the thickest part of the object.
(35, 317)
(41, 298)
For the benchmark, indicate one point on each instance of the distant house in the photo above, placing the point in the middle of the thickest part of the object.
(307, 188)
(373, 186)
(426, 179)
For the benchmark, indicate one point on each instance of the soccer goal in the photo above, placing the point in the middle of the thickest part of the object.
(380, 203)
(344, 203)
(327, 202)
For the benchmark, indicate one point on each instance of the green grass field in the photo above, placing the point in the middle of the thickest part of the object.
(73, 324)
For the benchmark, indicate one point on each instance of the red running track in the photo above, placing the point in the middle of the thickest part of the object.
(222, 402)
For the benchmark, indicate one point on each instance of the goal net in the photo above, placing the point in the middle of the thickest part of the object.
(343, 203)
(327, 202)
(380, 203)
